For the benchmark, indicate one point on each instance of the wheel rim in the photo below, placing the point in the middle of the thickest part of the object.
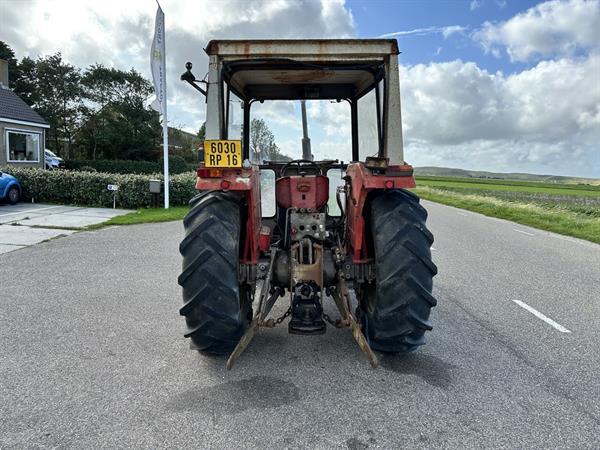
(13, 195)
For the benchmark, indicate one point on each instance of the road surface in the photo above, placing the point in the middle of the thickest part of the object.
(92, 353)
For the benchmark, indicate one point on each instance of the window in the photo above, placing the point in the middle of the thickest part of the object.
(371, 121)
(336, 179)
(368, 136)
(267, 193)
(276, 130)
(22, 146)
(235, 117)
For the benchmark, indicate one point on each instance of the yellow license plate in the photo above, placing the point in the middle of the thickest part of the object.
(223, 153)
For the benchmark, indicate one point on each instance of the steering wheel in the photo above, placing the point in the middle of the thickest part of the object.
(300, 163)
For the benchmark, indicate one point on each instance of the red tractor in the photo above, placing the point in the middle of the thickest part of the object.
(362, 243)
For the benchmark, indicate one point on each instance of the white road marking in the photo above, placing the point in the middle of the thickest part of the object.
(29, 210)
(539, 315)
(523, 232)
(433, 249)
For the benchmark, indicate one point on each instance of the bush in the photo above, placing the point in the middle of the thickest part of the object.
(87, 169)
(89, 188)
(115, 166)
(176, 165)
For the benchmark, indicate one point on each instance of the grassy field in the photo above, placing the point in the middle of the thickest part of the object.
(569, 209)
(580, 190)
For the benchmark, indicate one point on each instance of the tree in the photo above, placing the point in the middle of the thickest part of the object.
(202, 132)
(24, 84)
(116, 122)
(8, 54)
(262, 143)
(21, 76)
(58, 99)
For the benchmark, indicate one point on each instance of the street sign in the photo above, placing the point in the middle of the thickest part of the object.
(113, 187)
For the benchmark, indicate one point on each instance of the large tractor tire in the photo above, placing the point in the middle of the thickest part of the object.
(395, 308)
(216, 306)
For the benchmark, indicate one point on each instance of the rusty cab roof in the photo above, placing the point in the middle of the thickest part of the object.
(302, 69)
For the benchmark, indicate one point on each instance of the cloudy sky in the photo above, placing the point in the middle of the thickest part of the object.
(486, 84)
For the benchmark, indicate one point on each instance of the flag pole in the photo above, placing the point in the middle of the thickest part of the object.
(165, 123)
(165, 142)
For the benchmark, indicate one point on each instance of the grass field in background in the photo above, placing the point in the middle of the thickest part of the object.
(582, 190)
(569, 209)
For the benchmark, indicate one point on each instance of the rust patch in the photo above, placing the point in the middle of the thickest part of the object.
(307, 272)
(212, 48)
(302, 76)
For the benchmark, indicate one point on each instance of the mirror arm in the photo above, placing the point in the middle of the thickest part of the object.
(191, 79)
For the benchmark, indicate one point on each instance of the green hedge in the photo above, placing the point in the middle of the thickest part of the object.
(90, 188)
(176, 165)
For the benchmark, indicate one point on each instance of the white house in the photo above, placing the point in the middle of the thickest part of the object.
(22, 130)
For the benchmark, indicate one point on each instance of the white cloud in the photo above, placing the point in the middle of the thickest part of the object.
(475, 4)
(444, 31)
(281, 113)
(553, 28)
(544, 119)
(119, 33)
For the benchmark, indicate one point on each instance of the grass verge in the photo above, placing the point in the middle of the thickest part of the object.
(146, 215)
(556, 219)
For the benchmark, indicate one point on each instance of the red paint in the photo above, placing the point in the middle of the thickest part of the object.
(203, 172)
(363, 182)
(247, 183)
(264, 238)
(310, 192)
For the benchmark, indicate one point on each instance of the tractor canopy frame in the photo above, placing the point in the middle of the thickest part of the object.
(342, 70)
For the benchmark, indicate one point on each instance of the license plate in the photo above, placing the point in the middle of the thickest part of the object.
(223, 153)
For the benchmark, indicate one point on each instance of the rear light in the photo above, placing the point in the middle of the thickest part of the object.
(264, 238)
(203, 172)
(389, 184)
(224, 184)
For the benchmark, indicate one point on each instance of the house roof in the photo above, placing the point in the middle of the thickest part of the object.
(13, 108)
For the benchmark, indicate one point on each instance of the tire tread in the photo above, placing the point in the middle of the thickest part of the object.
(210, 281)
(395, 311)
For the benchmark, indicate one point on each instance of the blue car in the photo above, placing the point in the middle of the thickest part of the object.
(10, 188)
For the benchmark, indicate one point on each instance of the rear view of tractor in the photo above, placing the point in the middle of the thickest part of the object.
(362, 244)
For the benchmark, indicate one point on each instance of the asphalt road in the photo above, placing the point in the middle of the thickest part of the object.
(92, 353)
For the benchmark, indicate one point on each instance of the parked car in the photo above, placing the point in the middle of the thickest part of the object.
(53, 161)
(10, 188)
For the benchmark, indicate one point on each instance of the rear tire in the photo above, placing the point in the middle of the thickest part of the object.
(13, 195)
(215, 304)
(394, 309)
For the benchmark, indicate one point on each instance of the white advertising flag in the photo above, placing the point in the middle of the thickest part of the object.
(159, 76)
(157, 58)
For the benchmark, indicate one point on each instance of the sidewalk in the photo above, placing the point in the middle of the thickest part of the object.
(26, 224)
